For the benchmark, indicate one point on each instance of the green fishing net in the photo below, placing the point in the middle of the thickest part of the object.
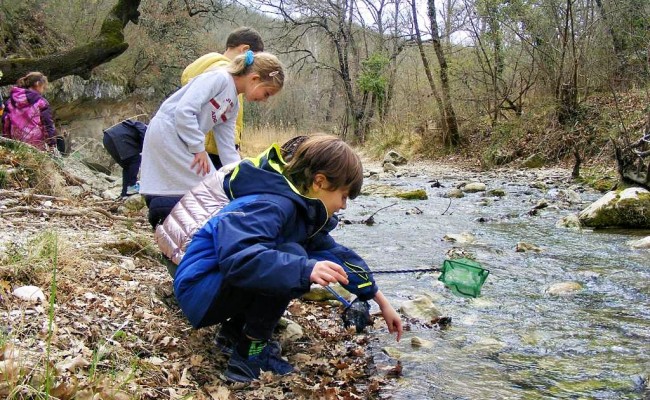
(463, 277)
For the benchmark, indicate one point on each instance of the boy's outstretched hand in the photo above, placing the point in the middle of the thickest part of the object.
(326, 272)
(392, 318)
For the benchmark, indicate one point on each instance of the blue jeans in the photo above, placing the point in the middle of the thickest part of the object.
(130, 165)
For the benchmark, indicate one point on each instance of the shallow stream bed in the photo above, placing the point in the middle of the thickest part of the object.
(516, 341)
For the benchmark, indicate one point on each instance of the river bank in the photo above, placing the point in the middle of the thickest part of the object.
(107, 324)
(100, 319)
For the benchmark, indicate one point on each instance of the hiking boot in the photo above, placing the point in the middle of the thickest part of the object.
(226, 345)
(241, 369)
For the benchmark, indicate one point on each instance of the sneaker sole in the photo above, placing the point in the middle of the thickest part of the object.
(236, 378)
(232, 384)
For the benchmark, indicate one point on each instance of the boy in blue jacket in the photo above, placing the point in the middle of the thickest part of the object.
(268, 245)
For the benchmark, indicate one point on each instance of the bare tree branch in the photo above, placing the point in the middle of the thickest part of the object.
(83, 59)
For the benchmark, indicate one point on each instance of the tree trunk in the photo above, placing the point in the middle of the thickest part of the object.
(566, 94)
(427, 68)
(331, 103)
(83, 59)
(617, 43)
(497, 77)
(450, 114)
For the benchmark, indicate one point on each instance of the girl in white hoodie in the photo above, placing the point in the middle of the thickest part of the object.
(174, 159)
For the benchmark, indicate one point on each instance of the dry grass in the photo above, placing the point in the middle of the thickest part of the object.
(30, 262)
(256, 140)
(23, 166)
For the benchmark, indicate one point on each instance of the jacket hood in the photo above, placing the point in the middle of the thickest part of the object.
(204, 63)
(23, 98)
(263, 174)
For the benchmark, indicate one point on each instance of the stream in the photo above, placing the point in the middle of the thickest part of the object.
(516, 341)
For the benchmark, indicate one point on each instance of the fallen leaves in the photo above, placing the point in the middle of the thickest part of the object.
(110, 334)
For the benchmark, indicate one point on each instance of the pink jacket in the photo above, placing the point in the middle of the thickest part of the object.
(28, 118)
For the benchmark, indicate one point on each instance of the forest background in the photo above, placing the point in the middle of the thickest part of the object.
(490, 81)
(495, 81)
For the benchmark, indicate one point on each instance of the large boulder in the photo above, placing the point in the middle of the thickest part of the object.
(534, 161)
(92, 153)
(641, 243)
(394, 158)
(629, 208)
(89, 179)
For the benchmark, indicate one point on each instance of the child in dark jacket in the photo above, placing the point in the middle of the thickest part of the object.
(268, 245)
(123, 141)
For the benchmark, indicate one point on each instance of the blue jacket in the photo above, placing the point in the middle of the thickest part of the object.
(244, 244)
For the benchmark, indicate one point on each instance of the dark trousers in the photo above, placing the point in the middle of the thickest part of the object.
(246, 311)
(61, 145)
(130, 166)
(130, 169)
(216, 161)
(160, 207)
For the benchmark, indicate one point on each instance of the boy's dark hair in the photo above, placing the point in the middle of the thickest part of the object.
(330, 156)
(288, 149)
(245, 35)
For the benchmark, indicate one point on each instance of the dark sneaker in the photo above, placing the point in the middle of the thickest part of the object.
(242, 369)
(226, 345)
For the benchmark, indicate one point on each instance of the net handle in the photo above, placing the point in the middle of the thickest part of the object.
(397, 271)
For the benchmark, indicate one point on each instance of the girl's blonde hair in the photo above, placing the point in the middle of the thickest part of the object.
(327, 155)
(266, 65)
(31, 79)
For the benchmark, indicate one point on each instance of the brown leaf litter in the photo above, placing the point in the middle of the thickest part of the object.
(107, 330)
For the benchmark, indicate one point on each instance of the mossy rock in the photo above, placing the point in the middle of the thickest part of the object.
(629, 208)
(392, 191)
(418, 194)
(603, 185)
(497, 193)
(534, 161)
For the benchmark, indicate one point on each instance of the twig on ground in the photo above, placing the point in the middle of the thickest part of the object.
(27, 195)
(371, 220)
(65, 213)
(446, 209)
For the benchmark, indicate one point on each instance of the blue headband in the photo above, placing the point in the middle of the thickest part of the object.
(249, 58)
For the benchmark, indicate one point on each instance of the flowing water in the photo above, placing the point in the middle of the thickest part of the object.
(516, 341)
